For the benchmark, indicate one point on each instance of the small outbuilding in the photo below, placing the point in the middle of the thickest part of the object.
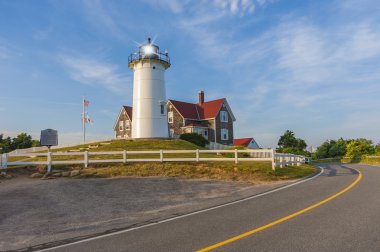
(249, 142)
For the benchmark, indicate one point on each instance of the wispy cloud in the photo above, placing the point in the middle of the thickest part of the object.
(175, 6)
(7, 50)
(105, 17)
(90, 71)
(240, 7)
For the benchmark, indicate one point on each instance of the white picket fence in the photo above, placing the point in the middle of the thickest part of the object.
(277, 159)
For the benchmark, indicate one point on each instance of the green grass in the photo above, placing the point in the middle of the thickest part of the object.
(373, 160)
(248, 171)
(327, 160)
(229, 171)
(149, 144)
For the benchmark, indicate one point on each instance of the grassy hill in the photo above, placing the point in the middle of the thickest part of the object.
(149, 144)
(248, 171)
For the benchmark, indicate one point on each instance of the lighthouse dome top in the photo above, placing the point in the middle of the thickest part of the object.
(147, 52)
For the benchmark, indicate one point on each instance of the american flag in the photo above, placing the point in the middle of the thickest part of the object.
(85, 103)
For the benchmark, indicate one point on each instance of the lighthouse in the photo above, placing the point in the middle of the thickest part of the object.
(149, 93)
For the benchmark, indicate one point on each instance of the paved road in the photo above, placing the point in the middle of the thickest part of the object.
(36, 212)
(350, 222)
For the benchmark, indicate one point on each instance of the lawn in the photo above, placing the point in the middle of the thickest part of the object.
(248, 171)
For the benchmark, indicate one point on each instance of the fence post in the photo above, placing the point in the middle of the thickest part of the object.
(85, 159)
(197, 155)
(273, 160)
(49, 161)
(236, 156)
(124, 156)
(161, 156)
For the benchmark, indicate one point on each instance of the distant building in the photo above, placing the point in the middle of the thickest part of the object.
(247, 142)
(212, 119)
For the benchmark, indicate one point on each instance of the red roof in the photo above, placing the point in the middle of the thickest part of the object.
(242, 141)
(187, 110)
(211, 108)
(207, 110)
(129, 111)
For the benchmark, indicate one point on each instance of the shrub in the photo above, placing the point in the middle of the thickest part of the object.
(195, 139)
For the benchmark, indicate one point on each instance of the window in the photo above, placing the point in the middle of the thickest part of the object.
(223, 116)
(205, 134)
(224, 134)
(127, 124)
(121, 125)
(162, 109)
(170, 117)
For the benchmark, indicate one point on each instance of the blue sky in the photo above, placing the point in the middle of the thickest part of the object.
(309, 66)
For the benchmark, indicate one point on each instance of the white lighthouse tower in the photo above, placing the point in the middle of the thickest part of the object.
(149, 93)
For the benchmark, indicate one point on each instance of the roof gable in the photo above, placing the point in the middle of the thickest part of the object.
(207, 110)
(211, 109)
(243, 141)
(187, 110)
(126, 109)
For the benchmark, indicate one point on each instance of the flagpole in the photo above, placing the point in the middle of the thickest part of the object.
(83, 122)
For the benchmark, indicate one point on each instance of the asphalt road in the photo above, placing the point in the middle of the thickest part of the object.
(349, 222)
(35, 213)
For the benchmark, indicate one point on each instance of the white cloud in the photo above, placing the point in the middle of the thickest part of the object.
(240, 7)
(107, 18)
(175, 6)
(93, 72)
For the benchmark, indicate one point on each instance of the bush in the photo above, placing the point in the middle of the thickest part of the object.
(195, 139)
(359, 147)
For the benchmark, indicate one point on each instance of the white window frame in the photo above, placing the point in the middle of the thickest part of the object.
(127, 124)
(170, 117)
(224, 132)
(223, 116)
(121, 126)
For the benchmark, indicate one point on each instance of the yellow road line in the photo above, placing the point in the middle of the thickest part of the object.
(238, 237)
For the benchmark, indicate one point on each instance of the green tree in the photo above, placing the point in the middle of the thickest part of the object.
(6, 145)
(377, 149)
(22, 141)
(331, 149)
(287, 140)
(288, 143)
(359, 147)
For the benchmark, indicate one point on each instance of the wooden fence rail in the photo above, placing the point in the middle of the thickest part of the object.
(277, 159)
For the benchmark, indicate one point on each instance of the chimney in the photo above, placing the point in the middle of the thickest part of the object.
(201, 98)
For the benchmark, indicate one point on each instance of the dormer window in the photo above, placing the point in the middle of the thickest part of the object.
(223, 116)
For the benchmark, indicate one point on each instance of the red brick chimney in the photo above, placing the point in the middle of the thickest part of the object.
(201, 98)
